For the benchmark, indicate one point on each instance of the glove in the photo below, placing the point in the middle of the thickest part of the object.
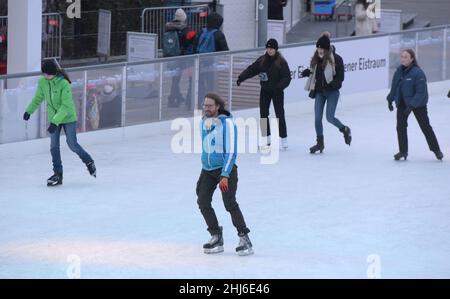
(223, 185)
(306, 73)
(238, 82)
(26, 116)
(52, 128)
(390, 106)
(407, 111)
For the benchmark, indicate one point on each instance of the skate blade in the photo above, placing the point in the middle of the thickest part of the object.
(245, 252)
(215, 250)
(53, 184)
(264, 149)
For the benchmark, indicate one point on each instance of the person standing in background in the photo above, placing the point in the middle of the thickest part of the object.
(275, 9)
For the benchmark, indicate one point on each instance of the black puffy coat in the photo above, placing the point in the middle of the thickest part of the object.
(274, 72)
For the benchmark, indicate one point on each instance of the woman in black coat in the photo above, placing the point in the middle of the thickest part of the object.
(275, 76)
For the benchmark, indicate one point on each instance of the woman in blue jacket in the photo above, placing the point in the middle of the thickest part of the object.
(410, 94)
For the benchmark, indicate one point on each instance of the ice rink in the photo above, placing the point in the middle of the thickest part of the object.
(340, 214)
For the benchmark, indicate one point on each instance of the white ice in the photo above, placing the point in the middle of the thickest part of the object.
(347, 213)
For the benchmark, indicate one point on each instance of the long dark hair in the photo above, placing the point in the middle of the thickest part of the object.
(413, 56)
(217, 100)
(61, 72)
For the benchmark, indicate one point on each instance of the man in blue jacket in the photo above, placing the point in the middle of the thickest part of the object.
(219, 151)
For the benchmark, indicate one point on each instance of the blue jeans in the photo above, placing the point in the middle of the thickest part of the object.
(330, 97)
(71, 138)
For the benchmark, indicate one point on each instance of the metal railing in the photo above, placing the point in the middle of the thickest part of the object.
(154, 19)
(125, 94)
(343, 9)
(51, 34)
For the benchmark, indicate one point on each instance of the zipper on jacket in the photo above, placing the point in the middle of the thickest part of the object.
(209, 151)
(51, 99)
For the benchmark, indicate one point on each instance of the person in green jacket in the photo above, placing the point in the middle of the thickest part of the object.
(54, 87)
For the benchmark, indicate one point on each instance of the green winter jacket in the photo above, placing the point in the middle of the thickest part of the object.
(60, 105)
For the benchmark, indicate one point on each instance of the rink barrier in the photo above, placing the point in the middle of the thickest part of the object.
(126, 94)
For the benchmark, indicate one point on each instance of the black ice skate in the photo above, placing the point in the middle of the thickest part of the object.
(439, 155)
(245, 246)
(318, 147)
(55, 180)
(398, 156)
(91, 168)
(215, 245)
(347, 135)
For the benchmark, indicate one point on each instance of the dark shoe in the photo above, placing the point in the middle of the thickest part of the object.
(439, 155)
(319, 145)
(398, 156)
(91, 168)
(347, 135)
(215, 244)
(55, 180)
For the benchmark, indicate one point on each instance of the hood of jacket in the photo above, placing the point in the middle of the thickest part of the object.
(175, 26)
(215, 21)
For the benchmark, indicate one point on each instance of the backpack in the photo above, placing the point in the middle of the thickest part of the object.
(207, 42)
(171, 44)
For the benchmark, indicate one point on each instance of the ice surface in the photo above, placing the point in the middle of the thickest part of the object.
(310, 216)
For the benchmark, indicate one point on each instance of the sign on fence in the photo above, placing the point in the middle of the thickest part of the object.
(141, 46)
(104, 32)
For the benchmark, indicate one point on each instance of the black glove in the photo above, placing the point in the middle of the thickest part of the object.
(390, 106)
(238, 82)
(407, 111)
(26, 116)
(306, 73)
(52, 128)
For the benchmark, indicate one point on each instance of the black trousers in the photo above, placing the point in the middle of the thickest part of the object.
(265, 98)
(206, 185)
(421, 115)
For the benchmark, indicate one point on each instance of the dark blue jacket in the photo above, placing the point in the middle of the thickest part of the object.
(410, 84)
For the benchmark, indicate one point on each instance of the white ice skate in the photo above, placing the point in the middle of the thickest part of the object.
(245, 246)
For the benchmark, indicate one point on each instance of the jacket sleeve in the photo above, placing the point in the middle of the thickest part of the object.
(230, 147)
(66, 104)
(37, 99)
(285, 76)
(221, 41)
(251, 71)
(340, 74)
(391, 96)
(421, 92)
